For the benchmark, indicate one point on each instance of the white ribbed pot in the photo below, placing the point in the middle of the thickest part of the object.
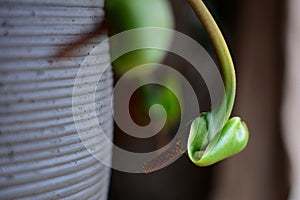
(41, 153)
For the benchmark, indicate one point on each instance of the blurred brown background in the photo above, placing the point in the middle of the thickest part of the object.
(255, 34)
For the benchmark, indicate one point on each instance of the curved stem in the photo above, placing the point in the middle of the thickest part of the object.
(222, 53)
(231, 135)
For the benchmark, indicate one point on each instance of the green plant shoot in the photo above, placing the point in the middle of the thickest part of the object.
(213, 139)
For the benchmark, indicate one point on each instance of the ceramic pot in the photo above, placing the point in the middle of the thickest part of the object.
(41, 153)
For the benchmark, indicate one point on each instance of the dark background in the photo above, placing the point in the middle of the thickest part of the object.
(254, 30)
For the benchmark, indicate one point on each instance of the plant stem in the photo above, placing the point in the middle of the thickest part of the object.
(222, 53)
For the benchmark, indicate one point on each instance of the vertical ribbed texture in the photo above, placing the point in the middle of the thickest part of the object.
(41, 154)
